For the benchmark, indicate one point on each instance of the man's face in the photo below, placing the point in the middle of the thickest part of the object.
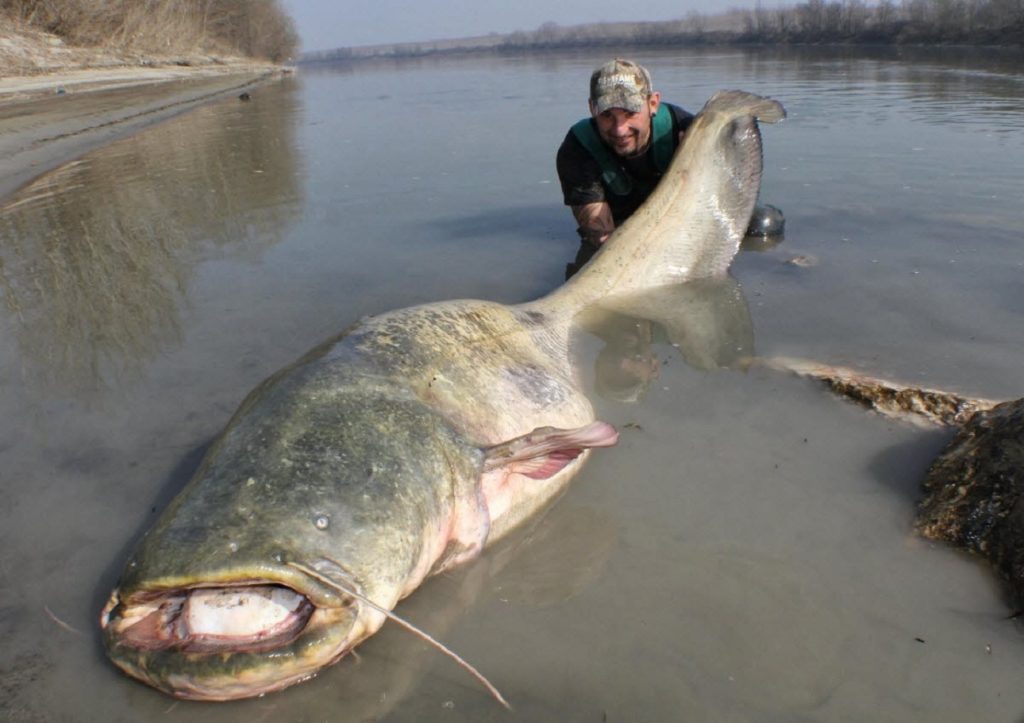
(627, 133)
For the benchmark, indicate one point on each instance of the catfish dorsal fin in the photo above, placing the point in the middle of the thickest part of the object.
(546, 450)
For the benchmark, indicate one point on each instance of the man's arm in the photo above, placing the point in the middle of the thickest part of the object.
(595, 221)
(580, 177)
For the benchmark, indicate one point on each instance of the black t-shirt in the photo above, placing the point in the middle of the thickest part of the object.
(580, 173)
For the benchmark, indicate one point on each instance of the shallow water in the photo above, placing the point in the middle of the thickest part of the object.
(744, 552)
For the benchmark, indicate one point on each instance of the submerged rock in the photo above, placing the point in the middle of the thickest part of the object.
(922, 406)
(973, 493)
(766, 221)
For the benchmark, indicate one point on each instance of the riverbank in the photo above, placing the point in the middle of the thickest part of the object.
(47, 120)
(58, 102)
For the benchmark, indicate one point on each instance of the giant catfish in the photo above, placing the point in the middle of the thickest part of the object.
(400, 448)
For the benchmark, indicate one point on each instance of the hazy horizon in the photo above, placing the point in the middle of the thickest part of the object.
(325, 25)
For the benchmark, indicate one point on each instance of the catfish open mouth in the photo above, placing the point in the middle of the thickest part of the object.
(246, 618)
(224, 642)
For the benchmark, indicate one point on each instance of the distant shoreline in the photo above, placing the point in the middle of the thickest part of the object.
(369, 56)
(822, 23)
(443, 49)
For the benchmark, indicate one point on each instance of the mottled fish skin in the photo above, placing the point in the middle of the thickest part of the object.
(408, 443)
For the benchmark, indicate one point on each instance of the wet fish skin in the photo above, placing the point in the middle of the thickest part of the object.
(408, 443)
(350, 462)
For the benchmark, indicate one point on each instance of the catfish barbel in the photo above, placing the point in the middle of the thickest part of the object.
(401, 448)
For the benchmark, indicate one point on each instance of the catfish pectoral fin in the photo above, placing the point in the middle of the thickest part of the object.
(546, 450)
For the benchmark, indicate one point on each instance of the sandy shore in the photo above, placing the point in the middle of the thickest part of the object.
(49, 119)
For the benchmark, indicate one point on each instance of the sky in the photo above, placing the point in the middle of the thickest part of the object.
(328, 24)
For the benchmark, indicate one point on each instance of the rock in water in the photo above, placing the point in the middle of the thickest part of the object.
(973, 493)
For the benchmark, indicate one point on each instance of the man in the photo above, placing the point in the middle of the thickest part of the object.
(609, 163)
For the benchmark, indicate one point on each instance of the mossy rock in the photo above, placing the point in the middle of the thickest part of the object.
(973, 493)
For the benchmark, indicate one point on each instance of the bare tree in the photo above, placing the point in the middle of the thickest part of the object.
(811, 17)
(854, 17)
(885, 12)
(696, 22)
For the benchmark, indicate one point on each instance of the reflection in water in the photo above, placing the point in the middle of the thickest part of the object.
(707, 320)
(962, 85)
(760, 243)
(978, 87)
(96, 256)
(627, 364)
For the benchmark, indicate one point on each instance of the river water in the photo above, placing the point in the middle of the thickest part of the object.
(744, 553)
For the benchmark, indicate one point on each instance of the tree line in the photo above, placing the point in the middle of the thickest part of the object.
(968, 22)
(981, 22)
(251, 28)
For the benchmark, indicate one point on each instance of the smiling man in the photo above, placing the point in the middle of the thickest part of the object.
(610, 162)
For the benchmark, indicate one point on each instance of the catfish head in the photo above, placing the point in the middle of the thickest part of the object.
(239, 588)
(299, 532)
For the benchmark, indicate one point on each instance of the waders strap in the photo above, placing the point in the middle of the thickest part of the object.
(612, 175)
(664, 142)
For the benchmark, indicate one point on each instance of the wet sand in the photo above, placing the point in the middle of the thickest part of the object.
(47, 120)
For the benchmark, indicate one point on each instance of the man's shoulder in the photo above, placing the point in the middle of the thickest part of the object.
(681, 117)
(572, 142)
(573, 152)
(578, 172)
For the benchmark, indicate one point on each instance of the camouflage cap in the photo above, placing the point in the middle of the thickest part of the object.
(620, 84)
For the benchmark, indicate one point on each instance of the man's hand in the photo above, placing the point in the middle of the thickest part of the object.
(595, 221)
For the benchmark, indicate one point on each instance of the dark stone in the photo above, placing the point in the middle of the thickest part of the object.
(973, 493)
